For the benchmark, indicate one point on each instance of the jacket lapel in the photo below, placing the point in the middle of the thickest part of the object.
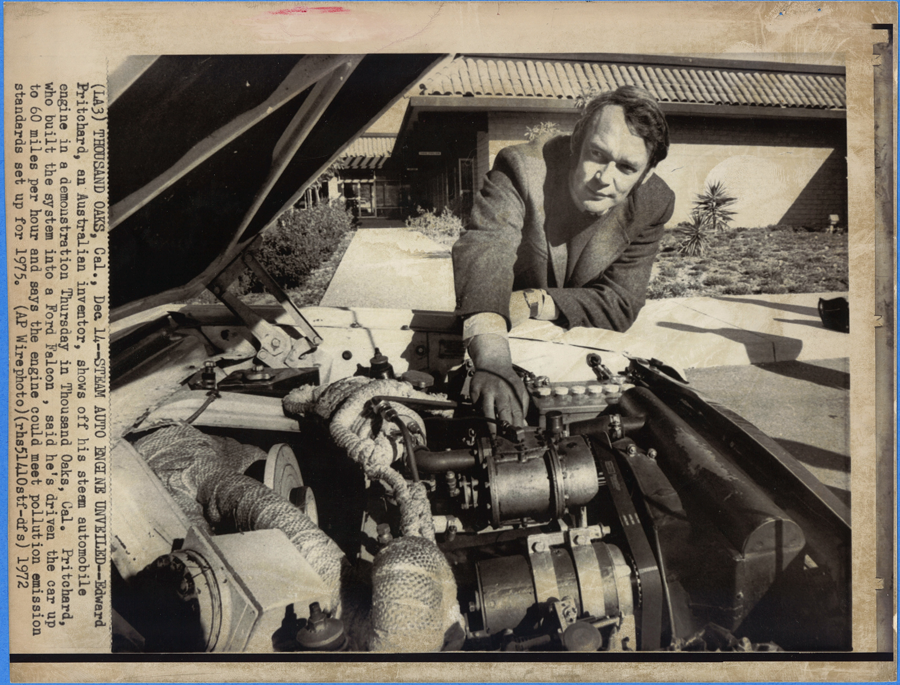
(595, 248)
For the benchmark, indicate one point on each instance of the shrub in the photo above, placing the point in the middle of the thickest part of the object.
(737, 289)
(718, 279)
(667, 270)
(712, 206)
(659, 291)
(444, 228)
(299, 242)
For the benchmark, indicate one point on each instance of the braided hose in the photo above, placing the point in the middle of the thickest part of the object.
(344, 402)
(413, 595)
(205, 476)
(413, 590)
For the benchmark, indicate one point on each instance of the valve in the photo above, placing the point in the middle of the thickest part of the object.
(321, 632)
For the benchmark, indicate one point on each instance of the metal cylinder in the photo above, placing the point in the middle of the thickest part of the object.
(600, 586)
(541, 487)
(744, 513)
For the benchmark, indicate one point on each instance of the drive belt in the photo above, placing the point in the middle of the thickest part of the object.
(650, 583)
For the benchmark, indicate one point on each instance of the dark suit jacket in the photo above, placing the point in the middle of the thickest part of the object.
(526, 232)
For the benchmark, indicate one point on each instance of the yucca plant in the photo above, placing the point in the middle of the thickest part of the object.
(696, 235)
(712, 206)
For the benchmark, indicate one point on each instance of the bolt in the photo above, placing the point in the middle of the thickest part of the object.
(581, 540)
(276, 343)
(651, 453)
(539, 546)
(632, 450)
(384, 535)
(473, 607)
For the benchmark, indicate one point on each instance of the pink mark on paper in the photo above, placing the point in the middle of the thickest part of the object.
(304, 10)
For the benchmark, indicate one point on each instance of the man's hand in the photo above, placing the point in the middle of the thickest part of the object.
(496, 386)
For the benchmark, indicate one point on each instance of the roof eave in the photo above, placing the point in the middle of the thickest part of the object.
(425, 103)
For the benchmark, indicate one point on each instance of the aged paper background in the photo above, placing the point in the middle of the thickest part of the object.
(80, 34)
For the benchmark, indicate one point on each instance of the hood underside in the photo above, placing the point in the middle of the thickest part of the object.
(207, 151)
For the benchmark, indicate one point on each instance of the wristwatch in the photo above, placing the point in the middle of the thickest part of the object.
(534, 299)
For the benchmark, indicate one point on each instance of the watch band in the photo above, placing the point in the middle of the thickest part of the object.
(534, 299)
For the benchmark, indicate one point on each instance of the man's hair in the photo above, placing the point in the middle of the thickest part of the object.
(642, 114)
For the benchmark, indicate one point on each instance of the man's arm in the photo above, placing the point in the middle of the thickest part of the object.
(485, 255)
(615, 297)
(483, 262)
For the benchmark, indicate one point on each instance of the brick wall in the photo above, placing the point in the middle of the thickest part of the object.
(782, 171)
(508, 128)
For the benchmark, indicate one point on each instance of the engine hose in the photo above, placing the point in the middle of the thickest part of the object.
(200, 470)
(352, 433)
(413, 587)
(450, 460)
(413, 598)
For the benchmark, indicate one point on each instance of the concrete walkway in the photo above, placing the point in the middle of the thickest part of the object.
(393, 268)
(402, 269)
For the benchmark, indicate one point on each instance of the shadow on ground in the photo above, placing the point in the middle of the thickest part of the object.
(793, 308)
(830, 378)
(803, 322)
(788, 348)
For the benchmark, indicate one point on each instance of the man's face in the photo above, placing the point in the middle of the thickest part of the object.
(612, 162)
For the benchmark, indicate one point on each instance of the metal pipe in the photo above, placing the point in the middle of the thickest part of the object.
(410, 448)
(601, 425)
(451, 460)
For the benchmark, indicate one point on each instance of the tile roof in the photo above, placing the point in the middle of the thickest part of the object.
(368, 152)
(566, 80)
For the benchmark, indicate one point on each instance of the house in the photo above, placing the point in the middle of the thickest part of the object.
(774, 133)
(370, 179)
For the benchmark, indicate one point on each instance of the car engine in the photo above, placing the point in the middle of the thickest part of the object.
(383, 512)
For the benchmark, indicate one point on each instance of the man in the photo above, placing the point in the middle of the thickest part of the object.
(564, 229)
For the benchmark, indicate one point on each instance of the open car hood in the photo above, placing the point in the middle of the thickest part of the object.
(207, 151)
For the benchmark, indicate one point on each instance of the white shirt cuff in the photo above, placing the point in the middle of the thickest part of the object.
(484, 322)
